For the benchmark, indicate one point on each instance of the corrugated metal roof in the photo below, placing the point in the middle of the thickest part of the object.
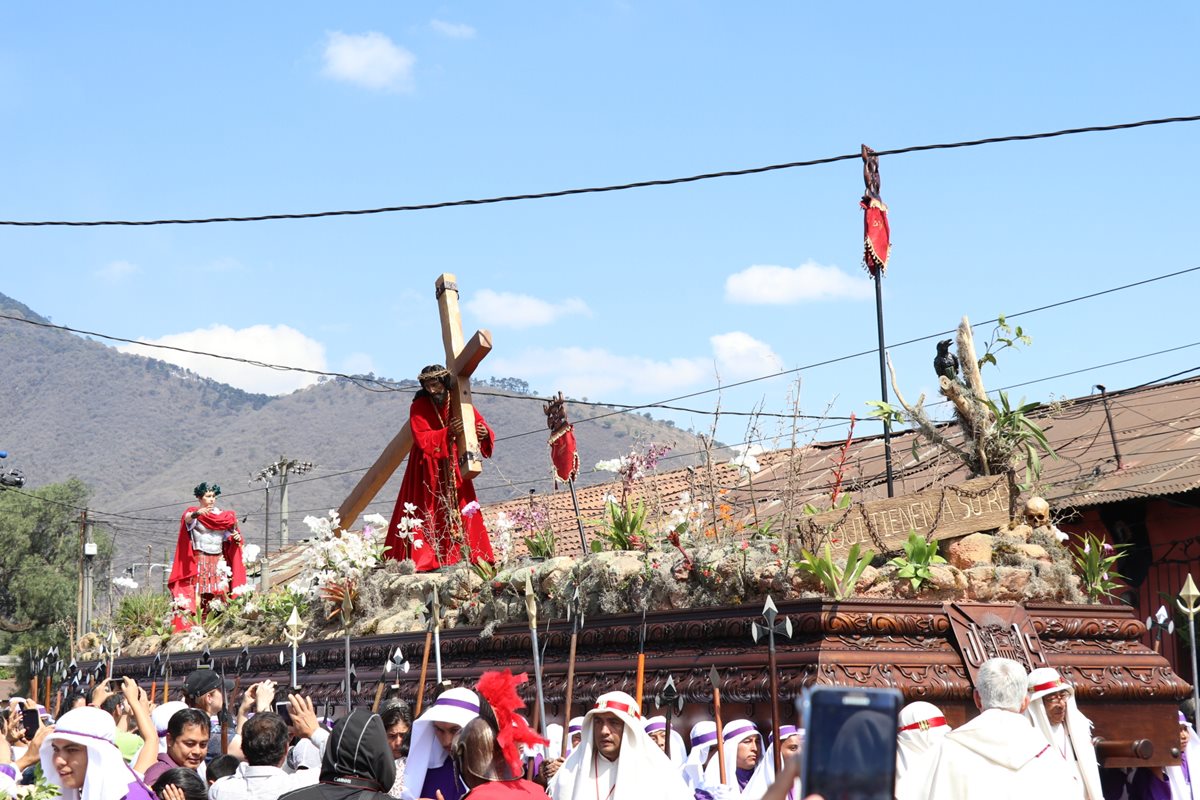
(1157, 429)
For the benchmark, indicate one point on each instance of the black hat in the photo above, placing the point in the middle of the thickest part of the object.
(201, 681)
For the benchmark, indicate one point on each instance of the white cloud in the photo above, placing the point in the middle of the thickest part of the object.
(453, 30)
(739, 355)
(510, 310)
(272, 344)
(774, 285)
(358, 364)
(598, 374)
(115, 271)
(369, 59)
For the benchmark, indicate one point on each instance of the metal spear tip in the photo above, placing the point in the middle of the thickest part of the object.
(713, 677)
(770, 611)
(1161, 615)
(1189, 594)
(530, 600)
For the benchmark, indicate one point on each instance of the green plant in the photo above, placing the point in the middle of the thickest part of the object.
(918, 556)
(1097, 560)
(843, 501)
(838, 581)
(1015, 433)
(541, 543)
(276, 605)
(1003, 337)
(485, 570)
(142, 613)
(623, 527)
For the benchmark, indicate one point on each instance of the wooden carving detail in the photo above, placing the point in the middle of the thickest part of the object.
(991, 630)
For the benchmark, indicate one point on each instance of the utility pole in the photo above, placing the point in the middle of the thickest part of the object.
(79, 589)
(280, 469)
(89, 562)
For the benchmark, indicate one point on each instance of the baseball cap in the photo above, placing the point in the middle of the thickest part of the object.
(201, 681)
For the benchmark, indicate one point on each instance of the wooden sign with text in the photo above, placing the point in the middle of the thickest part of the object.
(942, 512)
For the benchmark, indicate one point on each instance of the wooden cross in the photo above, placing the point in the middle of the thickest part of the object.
(461, 361)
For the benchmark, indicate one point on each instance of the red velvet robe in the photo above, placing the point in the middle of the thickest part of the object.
(434, 448)
(182, 582)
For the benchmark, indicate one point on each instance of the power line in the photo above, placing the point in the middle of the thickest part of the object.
(872, 351)
(757, 440)
(610, 188)
(392, 386)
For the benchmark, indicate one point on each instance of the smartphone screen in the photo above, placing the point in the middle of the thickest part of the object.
(849, 742)
(284, 709)
(31, 721)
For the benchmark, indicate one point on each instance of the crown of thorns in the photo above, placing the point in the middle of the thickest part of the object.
(205, 488)
(433, 372)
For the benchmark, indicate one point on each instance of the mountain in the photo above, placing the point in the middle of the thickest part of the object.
(143, 432)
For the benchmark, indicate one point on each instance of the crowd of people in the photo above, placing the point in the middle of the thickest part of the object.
(1029, 741)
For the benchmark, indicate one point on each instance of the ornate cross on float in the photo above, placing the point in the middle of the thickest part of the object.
(461, 361)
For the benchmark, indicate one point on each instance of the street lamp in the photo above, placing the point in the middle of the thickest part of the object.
(1187, 602)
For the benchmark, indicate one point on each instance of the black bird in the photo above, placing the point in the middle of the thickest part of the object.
(946, 363)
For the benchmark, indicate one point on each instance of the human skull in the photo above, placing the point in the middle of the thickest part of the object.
(1037, 512)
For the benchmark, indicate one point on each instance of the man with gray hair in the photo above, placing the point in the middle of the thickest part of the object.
(999, 755)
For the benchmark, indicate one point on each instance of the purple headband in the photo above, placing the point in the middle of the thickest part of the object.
(739, 731)
(1182, 718)
(785, 732)
(656, 726)
(58, 731)
(704, 738)
(574, 729)
(450, 701)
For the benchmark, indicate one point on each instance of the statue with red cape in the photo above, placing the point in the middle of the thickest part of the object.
(208, 557)
(437, 515)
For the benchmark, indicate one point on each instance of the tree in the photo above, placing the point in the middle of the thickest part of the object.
(39, 564)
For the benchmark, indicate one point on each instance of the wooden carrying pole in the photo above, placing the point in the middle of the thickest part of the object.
(716, 687)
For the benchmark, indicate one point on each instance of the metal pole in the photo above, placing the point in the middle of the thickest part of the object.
(264, 579)
(1195, 682)
(1111, 431)
(583, 548)
(89, 585)
(283, 505)
(883, 384)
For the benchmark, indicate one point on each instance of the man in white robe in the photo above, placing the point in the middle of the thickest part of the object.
(1052, 711)
(616, 759)
(704, 738)
(792, 739)
(921, 728)
(657, 728)
(999, 755)
(742, 747)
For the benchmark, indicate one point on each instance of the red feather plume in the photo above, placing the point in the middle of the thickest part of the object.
(499, 688)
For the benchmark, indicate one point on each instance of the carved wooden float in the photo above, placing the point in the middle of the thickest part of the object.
(927, 650)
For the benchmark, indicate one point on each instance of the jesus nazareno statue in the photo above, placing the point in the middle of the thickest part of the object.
(208, 556)
(434, 488)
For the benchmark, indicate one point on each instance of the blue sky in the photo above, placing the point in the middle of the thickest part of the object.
(150, 110)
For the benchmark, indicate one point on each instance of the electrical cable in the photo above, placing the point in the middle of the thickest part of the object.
(610, 188)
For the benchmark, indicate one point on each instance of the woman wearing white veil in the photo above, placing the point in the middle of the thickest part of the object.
(82, 760)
